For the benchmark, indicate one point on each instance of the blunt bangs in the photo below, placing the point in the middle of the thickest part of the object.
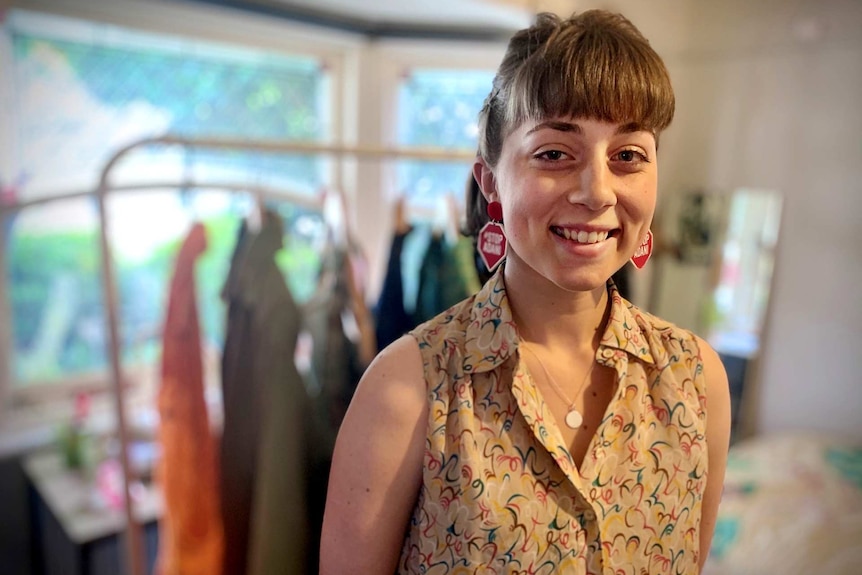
(602, 76)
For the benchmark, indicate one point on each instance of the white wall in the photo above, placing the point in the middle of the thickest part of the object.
(770, 96)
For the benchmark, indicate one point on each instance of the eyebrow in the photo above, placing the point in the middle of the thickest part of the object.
(630, 128)
(556, 125)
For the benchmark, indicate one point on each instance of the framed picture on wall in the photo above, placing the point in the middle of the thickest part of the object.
(699, 224)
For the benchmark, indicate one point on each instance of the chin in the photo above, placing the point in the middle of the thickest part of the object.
(580, 281)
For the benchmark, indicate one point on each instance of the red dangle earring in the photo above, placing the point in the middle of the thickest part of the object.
(492, 238)
(643, 252)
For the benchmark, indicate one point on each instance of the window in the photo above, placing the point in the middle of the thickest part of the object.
(437, 109)
(81, 91)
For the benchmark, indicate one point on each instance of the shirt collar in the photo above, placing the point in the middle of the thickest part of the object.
(624, 330)
(492, 336)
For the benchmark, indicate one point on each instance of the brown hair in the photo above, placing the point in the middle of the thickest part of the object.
(591, 65)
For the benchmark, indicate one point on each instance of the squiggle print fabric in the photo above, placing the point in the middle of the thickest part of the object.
(500, 491)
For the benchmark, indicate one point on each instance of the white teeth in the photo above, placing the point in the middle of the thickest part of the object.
(583, 237)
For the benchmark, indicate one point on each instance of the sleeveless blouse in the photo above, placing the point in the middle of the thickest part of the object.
(500, 491)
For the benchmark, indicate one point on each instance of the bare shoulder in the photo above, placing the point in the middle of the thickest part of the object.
(403, 352)
(377, 465)
(389, 405)
(396, 374)
(713, 371)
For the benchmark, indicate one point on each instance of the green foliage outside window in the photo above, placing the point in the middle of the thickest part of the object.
(67, 335)
(54, 283)
(81, 95)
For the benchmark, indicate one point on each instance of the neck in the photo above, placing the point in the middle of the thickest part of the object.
(553, 317)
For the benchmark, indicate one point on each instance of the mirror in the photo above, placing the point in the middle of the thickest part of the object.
(713, 275)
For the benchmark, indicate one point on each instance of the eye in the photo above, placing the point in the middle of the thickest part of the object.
(631, 156)
(551, 155)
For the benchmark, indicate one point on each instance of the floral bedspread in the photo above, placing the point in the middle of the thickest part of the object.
(791, 504)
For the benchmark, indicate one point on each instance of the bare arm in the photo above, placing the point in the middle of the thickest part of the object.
(377, 466)
(717, 439)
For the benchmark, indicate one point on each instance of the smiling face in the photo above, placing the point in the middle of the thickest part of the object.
(567, 144)
(578, 196)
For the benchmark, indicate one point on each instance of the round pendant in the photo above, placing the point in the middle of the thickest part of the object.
(574, 419)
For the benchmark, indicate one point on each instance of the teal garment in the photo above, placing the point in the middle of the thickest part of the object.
(441, 284)
(464, 253)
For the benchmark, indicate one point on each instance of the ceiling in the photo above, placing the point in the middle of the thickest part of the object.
(453, 19)
(729, 26)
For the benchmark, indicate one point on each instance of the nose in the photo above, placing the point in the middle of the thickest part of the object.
(594, 186)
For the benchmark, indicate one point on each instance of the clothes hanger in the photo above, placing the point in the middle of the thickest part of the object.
(254, 218)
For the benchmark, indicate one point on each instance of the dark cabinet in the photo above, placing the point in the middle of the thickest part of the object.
(72, 533)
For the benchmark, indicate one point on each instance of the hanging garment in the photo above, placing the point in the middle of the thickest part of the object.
(263, 439)
(190, 530)
(440, 282)
(336, 366)
(241, 417)
(462, 252)
(335, 371)
(391, 319)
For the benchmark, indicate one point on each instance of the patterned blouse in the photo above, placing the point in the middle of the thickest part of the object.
(500, 492)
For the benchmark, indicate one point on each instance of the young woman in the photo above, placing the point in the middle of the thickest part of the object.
(545, 425)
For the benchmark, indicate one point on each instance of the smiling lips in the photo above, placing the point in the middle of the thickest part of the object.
(581, 236)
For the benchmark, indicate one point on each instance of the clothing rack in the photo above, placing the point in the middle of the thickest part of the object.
(255, 190)
(133, 536)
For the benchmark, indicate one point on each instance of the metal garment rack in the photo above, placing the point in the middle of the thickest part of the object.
(135, 557)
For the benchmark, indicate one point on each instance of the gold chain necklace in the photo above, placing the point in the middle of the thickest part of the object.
(574, 418)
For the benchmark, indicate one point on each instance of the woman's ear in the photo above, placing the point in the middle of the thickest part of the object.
(485, 178)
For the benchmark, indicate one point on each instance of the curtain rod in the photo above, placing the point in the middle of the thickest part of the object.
(266, 192)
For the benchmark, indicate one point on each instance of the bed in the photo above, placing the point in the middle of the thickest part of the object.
(792, 503)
